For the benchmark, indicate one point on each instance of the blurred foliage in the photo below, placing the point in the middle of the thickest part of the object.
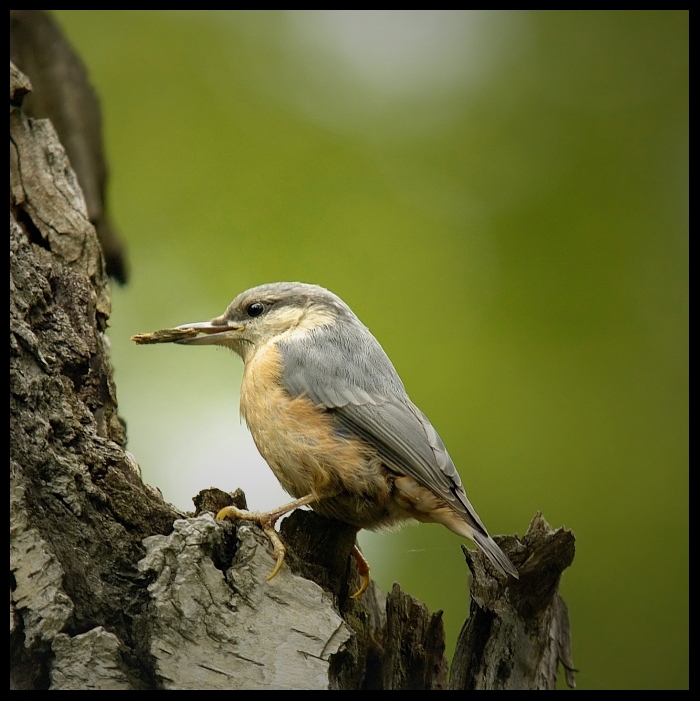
(502, 197)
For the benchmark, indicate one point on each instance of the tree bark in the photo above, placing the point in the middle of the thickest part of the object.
(112, 588)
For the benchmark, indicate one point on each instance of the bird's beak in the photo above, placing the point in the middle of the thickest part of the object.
(210, 333)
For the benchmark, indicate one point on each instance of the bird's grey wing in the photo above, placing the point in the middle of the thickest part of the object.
(362, 389)
(410, 445)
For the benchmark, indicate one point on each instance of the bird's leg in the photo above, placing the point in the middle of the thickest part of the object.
(363, 569)
(267, 521)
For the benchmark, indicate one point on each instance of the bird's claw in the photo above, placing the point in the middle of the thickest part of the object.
(277, 546)
(234, 512)
(266, 521)
(363, 569)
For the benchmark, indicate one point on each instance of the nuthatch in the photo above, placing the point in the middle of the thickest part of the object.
(331, 417)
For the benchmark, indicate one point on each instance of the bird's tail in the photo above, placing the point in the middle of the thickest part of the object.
(470, 526)
(490, 548)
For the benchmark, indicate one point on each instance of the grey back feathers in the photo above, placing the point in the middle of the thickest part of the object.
(340, 365)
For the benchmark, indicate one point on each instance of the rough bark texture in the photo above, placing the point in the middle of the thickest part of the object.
(516, 635)
(78, 508)
(111, 588)
(63, 94)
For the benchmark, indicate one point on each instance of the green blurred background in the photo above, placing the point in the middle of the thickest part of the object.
(502, 197)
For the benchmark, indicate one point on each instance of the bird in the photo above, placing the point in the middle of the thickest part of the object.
(331, 417)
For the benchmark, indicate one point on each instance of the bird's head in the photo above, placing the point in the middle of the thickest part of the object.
(277, 310)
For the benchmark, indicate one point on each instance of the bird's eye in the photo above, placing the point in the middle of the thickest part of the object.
(255, 309)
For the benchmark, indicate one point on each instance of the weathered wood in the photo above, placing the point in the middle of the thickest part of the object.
(63, 94)
(78, 507)
(518, 632)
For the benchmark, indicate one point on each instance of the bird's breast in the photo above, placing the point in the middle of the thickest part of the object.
(298, 438)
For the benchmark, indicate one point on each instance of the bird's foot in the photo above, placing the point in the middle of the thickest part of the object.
(267, 520)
